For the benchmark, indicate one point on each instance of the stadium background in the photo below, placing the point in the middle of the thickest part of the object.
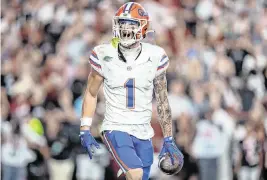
(216, 79)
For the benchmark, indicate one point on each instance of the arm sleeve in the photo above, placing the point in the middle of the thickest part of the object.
(95, 62)
(163, 63)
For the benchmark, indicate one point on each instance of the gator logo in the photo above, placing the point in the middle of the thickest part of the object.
(141, 12)
(107, 58)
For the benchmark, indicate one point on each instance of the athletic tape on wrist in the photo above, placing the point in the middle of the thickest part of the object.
(86, 121)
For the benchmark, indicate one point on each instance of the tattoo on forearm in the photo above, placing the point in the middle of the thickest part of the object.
(163, 107)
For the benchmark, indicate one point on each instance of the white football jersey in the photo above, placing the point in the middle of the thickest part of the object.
(128, 87)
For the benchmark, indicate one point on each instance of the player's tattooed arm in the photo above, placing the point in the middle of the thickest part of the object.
(163, 107)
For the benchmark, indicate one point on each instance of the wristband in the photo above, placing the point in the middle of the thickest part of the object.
(86, 121)
(168, 139)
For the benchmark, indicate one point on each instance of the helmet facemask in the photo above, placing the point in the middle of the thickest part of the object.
(129, 31)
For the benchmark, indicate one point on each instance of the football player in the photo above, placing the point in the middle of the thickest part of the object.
(129, 70)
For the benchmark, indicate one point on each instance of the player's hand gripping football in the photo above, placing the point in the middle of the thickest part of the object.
(171, 159)
(172, 150)
(88, 141)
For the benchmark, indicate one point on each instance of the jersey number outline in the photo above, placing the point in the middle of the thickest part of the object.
(130, 93)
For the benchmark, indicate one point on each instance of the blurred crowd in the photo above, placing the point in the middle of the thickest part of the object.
(217, 81)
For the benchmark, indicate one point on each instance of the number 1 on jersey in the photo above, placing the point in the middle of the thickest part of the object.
(130, 94)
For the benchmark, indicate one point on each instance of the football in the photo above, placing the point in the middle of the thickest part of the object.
(166, 166)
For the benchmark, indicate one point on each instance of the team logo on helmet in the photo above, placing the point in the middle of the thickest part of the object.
(141, 12)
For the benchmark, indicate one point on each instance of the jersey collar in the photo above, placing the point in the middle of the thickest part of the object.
(121, 49)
